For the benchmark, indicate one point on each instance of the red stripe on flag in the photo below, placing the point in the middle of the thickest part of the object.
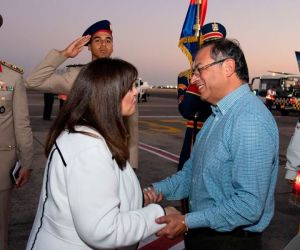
(161, 244)
(203, 12)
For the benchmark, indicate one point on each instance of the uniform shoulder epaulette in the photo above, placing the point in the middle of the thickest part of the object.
(75, 65)
(186, 73)
(11, 66)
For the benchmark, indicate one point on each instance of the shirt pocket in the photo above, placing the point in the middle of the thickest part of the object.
(218, 157)
(5, 103)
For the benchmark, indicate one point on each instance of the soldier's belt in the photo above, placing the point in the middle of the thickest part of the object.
(190, 124)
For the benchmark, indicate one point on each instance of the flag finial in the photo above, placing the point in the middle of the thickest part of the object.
(196, 26)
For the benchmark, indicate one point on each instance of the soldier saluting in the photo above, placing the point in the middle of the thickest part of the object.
(15, 140)
(98, 37)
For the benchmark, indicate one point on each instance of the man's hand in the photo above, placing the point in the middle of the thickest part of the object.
(24, 176)
(150, 196)
(175, 225)
(75, 47)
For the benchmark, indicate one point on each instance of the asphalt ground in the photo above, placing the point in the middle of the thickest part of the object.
(160, 127)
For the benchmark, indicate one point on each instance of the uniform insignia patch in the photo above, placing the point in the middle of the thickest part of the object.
(11, 66)
(182, 86)
(215, 27)
(5, 87)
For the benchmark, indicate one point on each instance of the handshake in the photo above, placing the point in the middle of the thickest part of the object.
(174, 220)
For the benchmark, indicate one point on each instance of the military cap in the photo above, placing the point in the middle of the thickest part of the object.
(1, 20)
(212, 31)
(103, 25)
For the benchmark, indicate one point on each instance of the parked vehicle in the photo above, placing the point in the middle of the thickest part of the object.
(290, 102)
(287, 88)
(142, 87)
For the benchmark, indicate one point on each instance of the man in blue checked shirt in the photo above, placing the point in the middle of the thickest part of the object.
(231, 175)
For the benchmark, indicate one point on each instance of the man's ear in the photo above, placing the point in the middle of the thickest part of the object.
(229, 66)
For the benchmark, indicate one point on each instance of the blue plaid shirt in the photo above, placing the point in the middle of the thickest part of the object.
(231, 175)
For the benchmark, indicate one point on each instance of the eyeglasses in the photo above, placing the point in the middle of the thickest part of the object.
(198, 70)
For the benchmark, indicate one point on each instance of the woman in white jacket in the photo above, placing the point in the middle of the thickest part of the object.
(91, 197)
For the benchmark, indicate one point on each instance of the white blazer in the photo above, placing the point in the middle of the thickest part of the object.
(87, 202)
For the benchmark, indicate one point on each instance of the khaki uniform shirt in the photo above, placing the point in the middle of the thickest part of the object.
(15, 132)
(44, 78)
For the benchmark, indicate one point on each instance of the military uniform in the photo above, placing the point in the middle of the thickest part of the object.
(16, 136)
(46, 79)
(193, 109)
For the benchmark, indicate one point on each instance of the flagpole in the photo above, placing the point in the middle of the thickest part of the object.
(196, 26)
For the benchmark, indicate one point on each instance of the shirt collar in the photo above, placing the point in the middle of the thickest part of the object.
(215, 110)
(225, 104)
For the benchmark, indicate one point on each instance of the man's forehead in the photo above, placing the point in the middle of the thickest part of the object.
(202, 56)
(102, 34)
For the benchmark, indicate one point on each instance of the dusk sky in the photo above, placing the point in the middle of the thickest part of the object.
(146, 33)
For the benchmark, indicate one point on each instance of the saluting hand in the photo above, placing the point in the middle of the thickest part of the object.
(23, 177)
(76, 47)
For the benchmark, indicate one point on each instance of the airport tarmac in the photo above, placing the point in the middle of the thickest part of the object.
(161, 131)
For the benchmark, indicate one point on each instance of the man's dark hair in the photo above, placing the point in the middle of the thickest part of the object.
(95, 101)
(225, 48)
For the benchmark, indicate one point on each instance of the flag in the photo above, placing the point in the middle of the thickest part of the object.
(189, 41)
(298, 58)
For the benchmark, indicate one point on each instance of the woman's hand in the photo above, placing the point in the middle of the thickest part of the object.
(150, 196)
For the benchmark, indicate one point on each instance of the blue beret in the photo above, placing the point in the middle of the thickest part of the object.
(100, 25)
(212, 31)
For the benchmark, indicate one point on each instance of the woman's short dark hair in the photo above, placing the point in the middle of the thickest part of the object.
(225, 48)
(95, 101)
